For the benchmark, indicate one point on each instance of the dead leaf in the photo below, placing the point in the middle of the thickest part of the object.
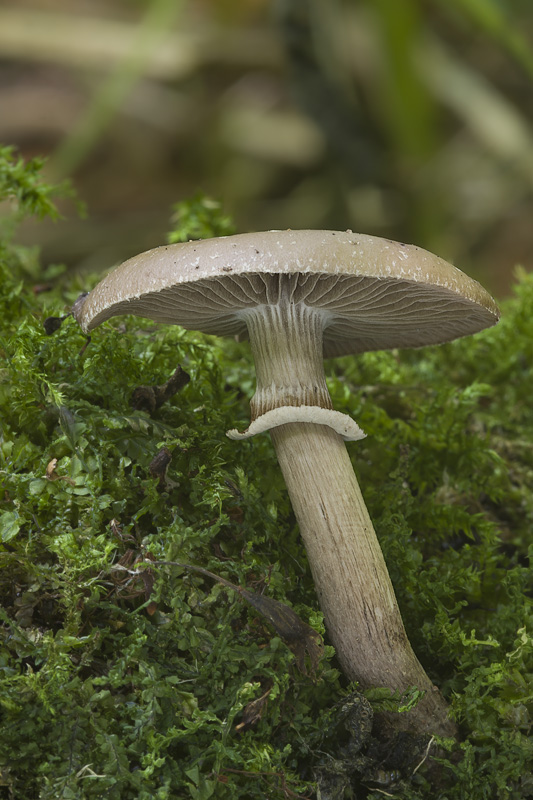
(299, 637)
(117, 530)
(149, 398)
(40, 288)
(136, 580)
(252, 712)
(50, 469)
(53, 324)
(51, 474)
(159, 465)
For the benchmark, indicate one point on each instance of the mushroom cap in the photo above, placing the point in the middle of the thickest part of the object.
(374, 293)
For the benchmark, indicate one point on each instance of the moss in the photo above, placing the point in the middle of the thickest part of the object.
(125, 675)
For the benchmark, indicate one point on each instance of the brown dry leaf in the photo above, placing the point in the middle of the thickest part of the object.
(149, 398)
(252, 712)
(50, 469)
(131, 582)
(159, 465)
(117, 529)
(299, 637)
(51, 324)
(51, 474)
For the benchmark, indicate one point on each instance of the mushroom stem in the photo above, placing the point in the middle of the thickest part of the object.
(286, 342)
(349, 572)
(351, 578)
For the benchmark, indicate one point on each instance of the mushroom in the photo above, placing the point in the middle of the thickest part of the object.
(300, 296)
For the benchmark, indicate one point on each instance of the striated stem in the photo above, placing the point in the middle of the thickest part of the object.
(286, 342)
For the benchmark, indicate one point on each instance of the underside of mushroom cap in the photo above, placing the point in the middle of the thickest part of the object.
(374, 293)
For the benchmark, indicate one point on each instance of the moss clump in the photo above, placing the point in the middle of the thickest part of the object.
(126, 675)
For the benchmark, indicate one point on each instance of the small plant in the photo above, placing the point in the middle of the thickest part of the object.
(22, 185)
(201, 217)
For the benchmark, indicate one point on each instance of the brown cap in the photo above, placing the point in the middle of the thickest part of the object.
(376, 294)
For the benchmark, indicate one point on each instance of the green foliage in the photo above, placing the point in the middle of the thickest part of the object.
(125, 675)
(25, 192)
(200, 217)
(21, 182)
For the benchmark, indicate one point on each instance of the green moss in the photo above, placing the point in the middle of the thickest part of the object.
(124, 675)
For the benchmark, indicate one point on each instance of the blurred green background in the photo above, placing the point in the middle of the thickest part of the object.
(410, 119)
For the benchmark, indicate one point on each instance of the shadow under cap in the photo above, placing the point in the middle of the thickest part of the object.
(373, 293)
